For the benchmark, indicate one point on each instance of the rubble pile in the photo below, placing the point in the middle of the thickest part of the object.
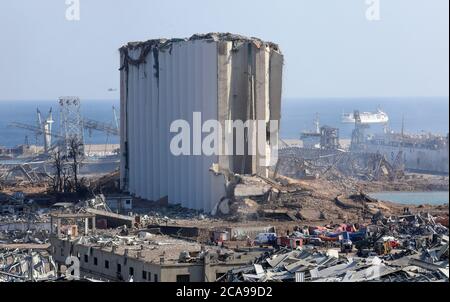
(124, 237)
(409, 248)
(23, 266)
(17, 236)
(116, 238)
(170, 215)
(310, 266)
(24, 228)
(257, 197)
(23, 218)
(408, 225)
(143, 244)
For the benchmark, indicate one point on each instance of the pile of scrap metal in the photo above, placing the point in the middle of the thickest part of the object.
(9, 214)
(23, 173)
(110, 240)
(410, 248)
(24, 228)
(29, 236)
(310, 265)
(409, 224)
(122, 237)
(20, 266)
(169, 215)
(98, 203)
(300, 163)
(19, 209)
(22, 222)
(287, 265)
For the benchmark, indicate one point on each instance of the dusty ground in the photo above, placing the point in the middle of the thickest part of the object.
(313, 204)
(324, 193)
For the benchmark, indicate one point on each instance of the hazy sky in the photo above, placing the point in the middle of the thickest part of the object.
(331, 49)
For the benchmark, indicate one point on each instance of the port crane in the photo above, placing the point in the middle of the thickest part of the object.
(43, 127)
(109, 129)
(92, 125)
(358, 132)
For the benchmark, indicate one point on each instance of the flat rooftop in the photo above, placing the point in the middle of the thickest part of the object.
(151, 249)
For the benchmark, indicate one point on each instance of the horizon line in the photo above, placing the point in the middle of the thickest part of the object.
(285, 98)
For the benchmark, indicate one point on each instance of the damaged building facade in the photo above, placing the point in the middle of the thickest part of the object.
(223, 77)
(146, 258)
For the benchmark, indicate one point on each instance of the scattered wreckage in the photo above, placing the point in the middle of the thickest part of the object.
(337, 164)
(25, 231)
(18, 265)
(405, 248)
(410, 248)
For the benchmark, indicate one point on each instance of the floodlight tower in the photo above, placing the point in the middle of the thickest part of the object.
(71, 122)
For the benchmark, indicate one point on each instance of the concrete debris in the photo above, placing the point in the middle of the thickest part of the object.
(111, 219)
(97, 203)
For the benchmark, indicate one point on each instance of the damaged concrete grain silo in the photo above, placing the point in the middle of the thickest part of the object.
(221, 77)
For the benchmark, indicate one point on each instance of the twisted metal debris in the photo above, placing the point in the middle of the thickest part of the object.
(414, 249)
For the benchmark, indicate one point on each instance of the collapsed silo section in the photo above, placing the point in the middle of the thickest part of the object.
(167, 84)
(250, 88)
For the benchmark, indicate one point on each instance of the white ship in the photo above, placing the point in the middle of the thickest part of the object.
(378, 117)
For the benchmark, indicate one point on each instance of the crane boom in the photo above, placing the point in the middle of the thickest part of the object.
(99, 126)
(33, 129)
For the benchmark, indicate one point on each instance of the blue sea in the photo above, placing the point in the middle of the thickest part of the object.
(419, 114)
(25, 112)
(414, 198)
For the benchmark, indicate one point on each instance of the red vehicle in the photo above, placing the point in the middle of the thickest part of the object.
(290, 242)
(328, 239)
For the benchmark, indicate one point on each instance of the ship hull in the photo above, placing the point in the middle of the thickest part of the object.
(415, 159)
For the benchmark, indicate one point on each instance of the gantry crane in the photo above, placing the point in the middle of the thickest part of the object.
(44, 127)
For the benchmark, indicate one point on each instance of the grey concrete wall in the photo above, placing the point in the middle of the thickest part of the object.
(62, 249)
(250, 87)
(198, 272)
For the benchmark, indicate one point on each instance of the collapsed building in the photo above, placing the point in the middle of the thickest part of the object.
(407, 248)
(223, 77)
(24, 265)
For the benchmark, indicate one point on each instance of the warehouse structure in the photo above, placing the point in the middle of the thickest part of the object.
(220, 77)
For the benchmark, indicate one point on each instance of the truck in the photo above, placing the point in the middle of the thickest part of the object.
(266, 239)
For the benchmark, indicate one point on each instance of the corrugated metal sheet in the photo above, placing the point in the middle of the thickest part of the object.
(299, 277)
(171, 81)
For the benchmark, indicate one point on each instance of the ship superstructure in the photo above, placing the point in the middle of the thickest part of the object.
(379, 117)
